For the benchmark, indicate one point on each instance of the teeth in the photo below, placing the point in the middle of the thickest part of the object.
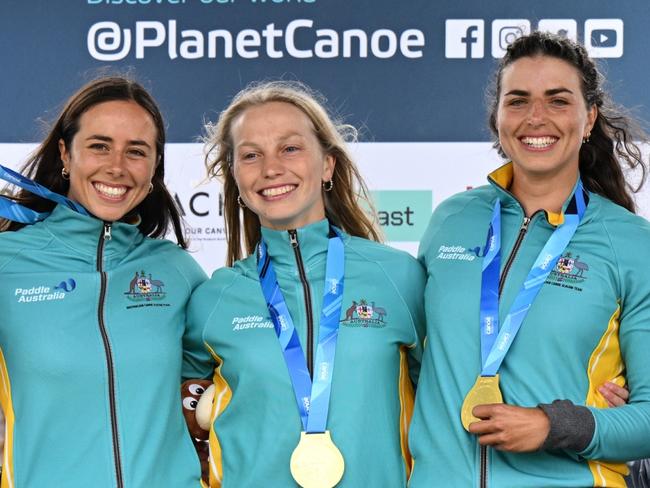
(280, 190)
(539, 142)
(110, 191)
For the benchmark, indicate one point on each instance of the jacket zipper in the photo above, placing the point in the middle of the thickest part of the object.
(106, 236)
(522, 233)
(293, 237)
(515, 249)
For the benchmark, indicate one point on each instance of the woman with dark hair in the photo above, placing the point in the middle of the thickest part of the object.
(93, 303)
(554, 302)
(313, 281)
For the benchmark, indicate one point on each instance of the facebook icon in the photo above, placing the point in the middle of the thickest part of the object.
(464, 38)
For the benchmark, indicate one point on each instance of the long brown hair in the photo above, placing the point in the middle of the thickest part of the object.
(342, 204)
(612, 140)
(44, 166)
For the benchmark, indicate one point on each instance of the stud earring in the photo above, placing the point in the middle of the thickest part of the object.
(328, 185)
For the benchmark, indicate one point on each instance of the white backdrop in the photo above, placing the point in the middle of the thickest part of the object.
(440, 168)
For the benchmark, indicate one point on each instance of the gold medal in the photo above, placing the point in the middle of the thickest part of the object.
(485, 390)
(316, 462)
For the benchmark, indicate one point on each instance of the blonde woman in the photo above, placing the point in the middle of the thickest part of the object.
(305, 277)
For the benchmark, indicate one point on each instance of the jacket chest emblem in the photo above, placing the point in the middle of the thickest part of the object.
(569, 272)
(45, 293)
(146, 290)
(454, 252)
(250, 322)
(363, 313)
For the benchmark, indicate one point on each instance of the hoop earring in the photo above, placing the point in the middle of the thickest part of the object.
(240, 202)
(328, 185)
(65, 174)
(150, 187)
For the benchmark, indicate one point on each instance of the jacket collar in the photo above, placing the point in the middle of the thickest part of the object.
(501, 179)
(313, 240)
(82, 233)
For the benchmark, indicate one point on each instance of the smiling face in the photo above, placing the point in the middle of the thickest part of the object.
(111, 158)
(542, 117)
(279, 165)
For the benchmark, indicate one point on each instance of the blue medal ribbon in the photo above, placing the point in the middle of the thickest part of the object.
(312, 398)
(495, 340)
(16, 212)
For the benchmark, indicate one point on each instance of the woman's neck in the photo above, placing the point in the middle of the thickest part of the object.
(541, 191)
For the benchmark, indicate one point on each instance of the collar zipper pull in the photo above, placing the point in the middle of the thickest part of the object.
(293, 237)
(107, 232)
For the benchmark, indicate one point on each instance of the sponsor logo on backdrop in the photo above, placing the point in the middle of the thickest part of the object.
(299, 39)
(203, 215)
(465, 38)
(403, 214)
(44, 293)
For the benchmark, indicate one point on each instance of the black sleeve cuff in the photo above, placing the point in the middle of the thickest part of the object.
(572, 426)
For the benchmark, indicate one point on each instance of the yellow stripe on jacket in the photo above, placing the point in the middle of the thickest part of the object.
(222, 397)
(606, 364)
(406, 399)
(7, 408)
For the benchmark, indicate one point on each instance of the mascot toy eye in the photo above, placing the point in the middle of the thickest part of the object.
(191, 392)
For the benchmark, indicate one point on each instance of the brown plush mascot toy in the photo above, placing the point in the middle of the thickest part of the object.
(191, 392)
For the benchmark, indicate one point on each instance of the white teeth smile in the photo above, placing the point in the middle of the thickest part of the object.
(110, 191)
(539, 142)
(280, 190)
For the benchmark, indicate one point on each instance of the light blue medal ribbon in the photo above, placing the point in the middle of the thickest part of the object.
(312, 398)
(16, 212)
(495, 347)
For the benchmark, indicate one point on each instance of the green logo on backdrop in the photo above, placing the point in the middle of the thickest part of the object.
(403, 214)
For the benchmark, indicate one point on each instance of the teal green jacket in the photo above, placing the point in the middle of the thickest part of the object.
(257, 424)
(91, 336)
(590, 323)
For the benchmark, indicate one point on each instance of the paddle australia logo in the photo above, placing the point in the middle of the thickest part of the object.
(248, 322)
(460, 253)
(45, 293)
(364, 314)
(569, 272)
(146, 291)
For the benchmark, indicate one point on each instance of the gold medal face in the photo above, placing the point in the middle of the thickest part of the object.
(316, 462)
(485, 390)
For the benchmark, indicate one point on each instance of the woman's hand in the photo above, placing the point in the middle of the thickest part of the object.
(510, 428)
(614, 394)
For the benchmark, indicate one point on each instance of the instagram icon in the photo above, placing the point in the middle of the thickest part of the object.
(505, 31)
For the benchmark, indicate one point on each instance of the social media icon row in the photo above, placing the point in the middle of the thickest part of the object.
(465, 38)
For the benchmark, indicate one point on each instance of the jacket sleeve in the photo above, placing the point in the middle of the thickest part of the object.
(408, 279)
(415, 301)
(622, 433)
(197, 362)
